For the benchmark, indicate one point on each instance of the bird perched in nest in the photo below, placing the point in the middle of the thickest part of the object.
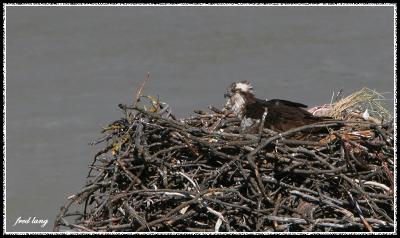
(278, 115)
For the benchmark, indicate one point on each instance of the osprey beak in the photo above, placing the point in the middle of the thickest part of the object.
(227, 95)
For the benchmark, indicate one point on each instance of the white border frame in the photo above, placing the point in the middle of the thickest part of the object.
(5, 5)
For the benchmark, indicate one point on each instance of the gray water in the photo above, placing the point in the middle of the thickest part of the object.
(69, 67)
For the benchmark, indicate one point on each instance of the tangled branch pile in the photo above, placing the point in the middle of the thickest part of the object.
(157, 173)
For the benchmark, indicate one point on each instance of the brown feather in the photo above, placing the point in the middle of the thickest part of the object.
(282, 115)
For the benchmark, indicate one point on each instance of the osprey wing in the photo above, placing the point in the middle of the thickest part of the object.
(278, 102)
(255, 109)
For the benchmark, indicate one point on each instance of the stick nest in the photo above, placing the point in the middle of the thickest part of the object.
(157, 173)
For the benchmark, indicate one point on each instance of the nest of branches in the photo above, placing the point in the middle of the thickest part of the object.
(200, 174)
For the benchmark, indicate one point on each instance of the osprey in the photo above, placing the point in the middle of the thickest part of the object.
(279, 115)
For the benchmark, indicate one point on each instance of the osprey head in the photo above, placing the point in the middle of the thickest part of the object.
(236, 96)
(242, 87)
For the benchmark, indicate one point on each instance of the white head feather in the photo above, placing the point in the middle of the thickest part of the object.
(244, 87)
